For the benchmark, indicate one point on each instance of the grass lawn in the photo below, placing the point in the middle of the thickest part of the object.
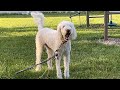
(89, 59)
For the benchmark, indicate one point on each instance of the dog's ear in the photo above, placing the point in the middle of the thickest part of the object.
(59, 27)
(74, 34)
(59, 30)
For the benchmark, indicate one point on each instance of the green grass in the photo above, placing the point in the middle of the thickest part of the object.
(89, 59)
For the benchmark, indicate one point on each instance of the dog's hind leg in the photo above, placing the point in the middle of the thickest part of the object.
(39, 50)
(50, 54)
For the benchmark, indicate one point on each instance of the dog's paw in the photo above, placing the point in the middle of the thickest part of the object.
(38, 68)
(50, 68)
(59, 76)
(66, 75)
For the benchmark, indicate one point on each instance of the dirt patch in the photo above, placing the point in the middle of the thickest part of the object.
(111, 41)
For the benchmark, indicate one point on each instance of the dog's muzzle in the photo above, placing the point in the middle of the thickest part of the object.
(67, 35)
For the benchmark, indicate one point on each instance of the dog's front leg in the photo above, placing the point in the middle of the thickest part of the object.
(59, 73)
(66, 58)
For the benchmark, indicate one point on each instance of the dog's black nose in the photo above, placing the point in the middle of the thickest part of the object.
(68, 30)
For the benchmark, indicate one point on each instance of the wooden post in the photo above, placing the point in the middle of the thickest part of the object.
(108, 18)
(87, 18)
(106, 14)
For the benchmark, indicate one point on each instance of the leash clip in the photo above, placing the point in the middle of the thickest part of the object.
(57, 54)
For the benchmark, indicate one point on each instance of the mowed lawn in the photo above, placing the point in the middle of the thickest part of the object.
(89, 59)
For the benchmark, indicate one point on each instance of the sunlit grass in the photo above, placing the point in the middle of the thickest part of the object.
(15, 22)
(89, 59)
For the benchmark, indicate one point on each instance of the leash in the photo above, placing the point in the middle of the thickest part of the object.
(34, 65)
(54, 56)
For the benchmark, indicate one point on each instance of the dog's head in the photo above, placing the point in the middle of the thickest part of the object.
(67, 30)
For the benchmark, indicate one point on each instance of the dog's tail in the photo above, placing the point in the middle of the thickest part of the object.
(38, 18)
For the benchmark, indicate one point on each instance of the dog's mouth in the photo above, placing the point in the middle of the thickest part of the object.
(67, 35)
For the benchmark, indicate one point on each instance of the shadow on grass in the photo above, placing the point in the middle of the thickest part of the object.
(95, 26)
(32, 74)
(18, 29)
(92, 26)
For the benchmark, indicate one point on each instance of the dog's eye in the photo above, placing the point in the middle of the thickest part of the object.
(63, 26)
(70, 26)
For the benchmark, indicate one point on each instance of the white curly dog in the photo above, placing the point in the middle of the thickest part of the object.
(51, 40)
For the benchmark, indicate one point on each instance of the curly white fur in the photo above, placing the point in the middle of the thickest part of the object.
(51, 40)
